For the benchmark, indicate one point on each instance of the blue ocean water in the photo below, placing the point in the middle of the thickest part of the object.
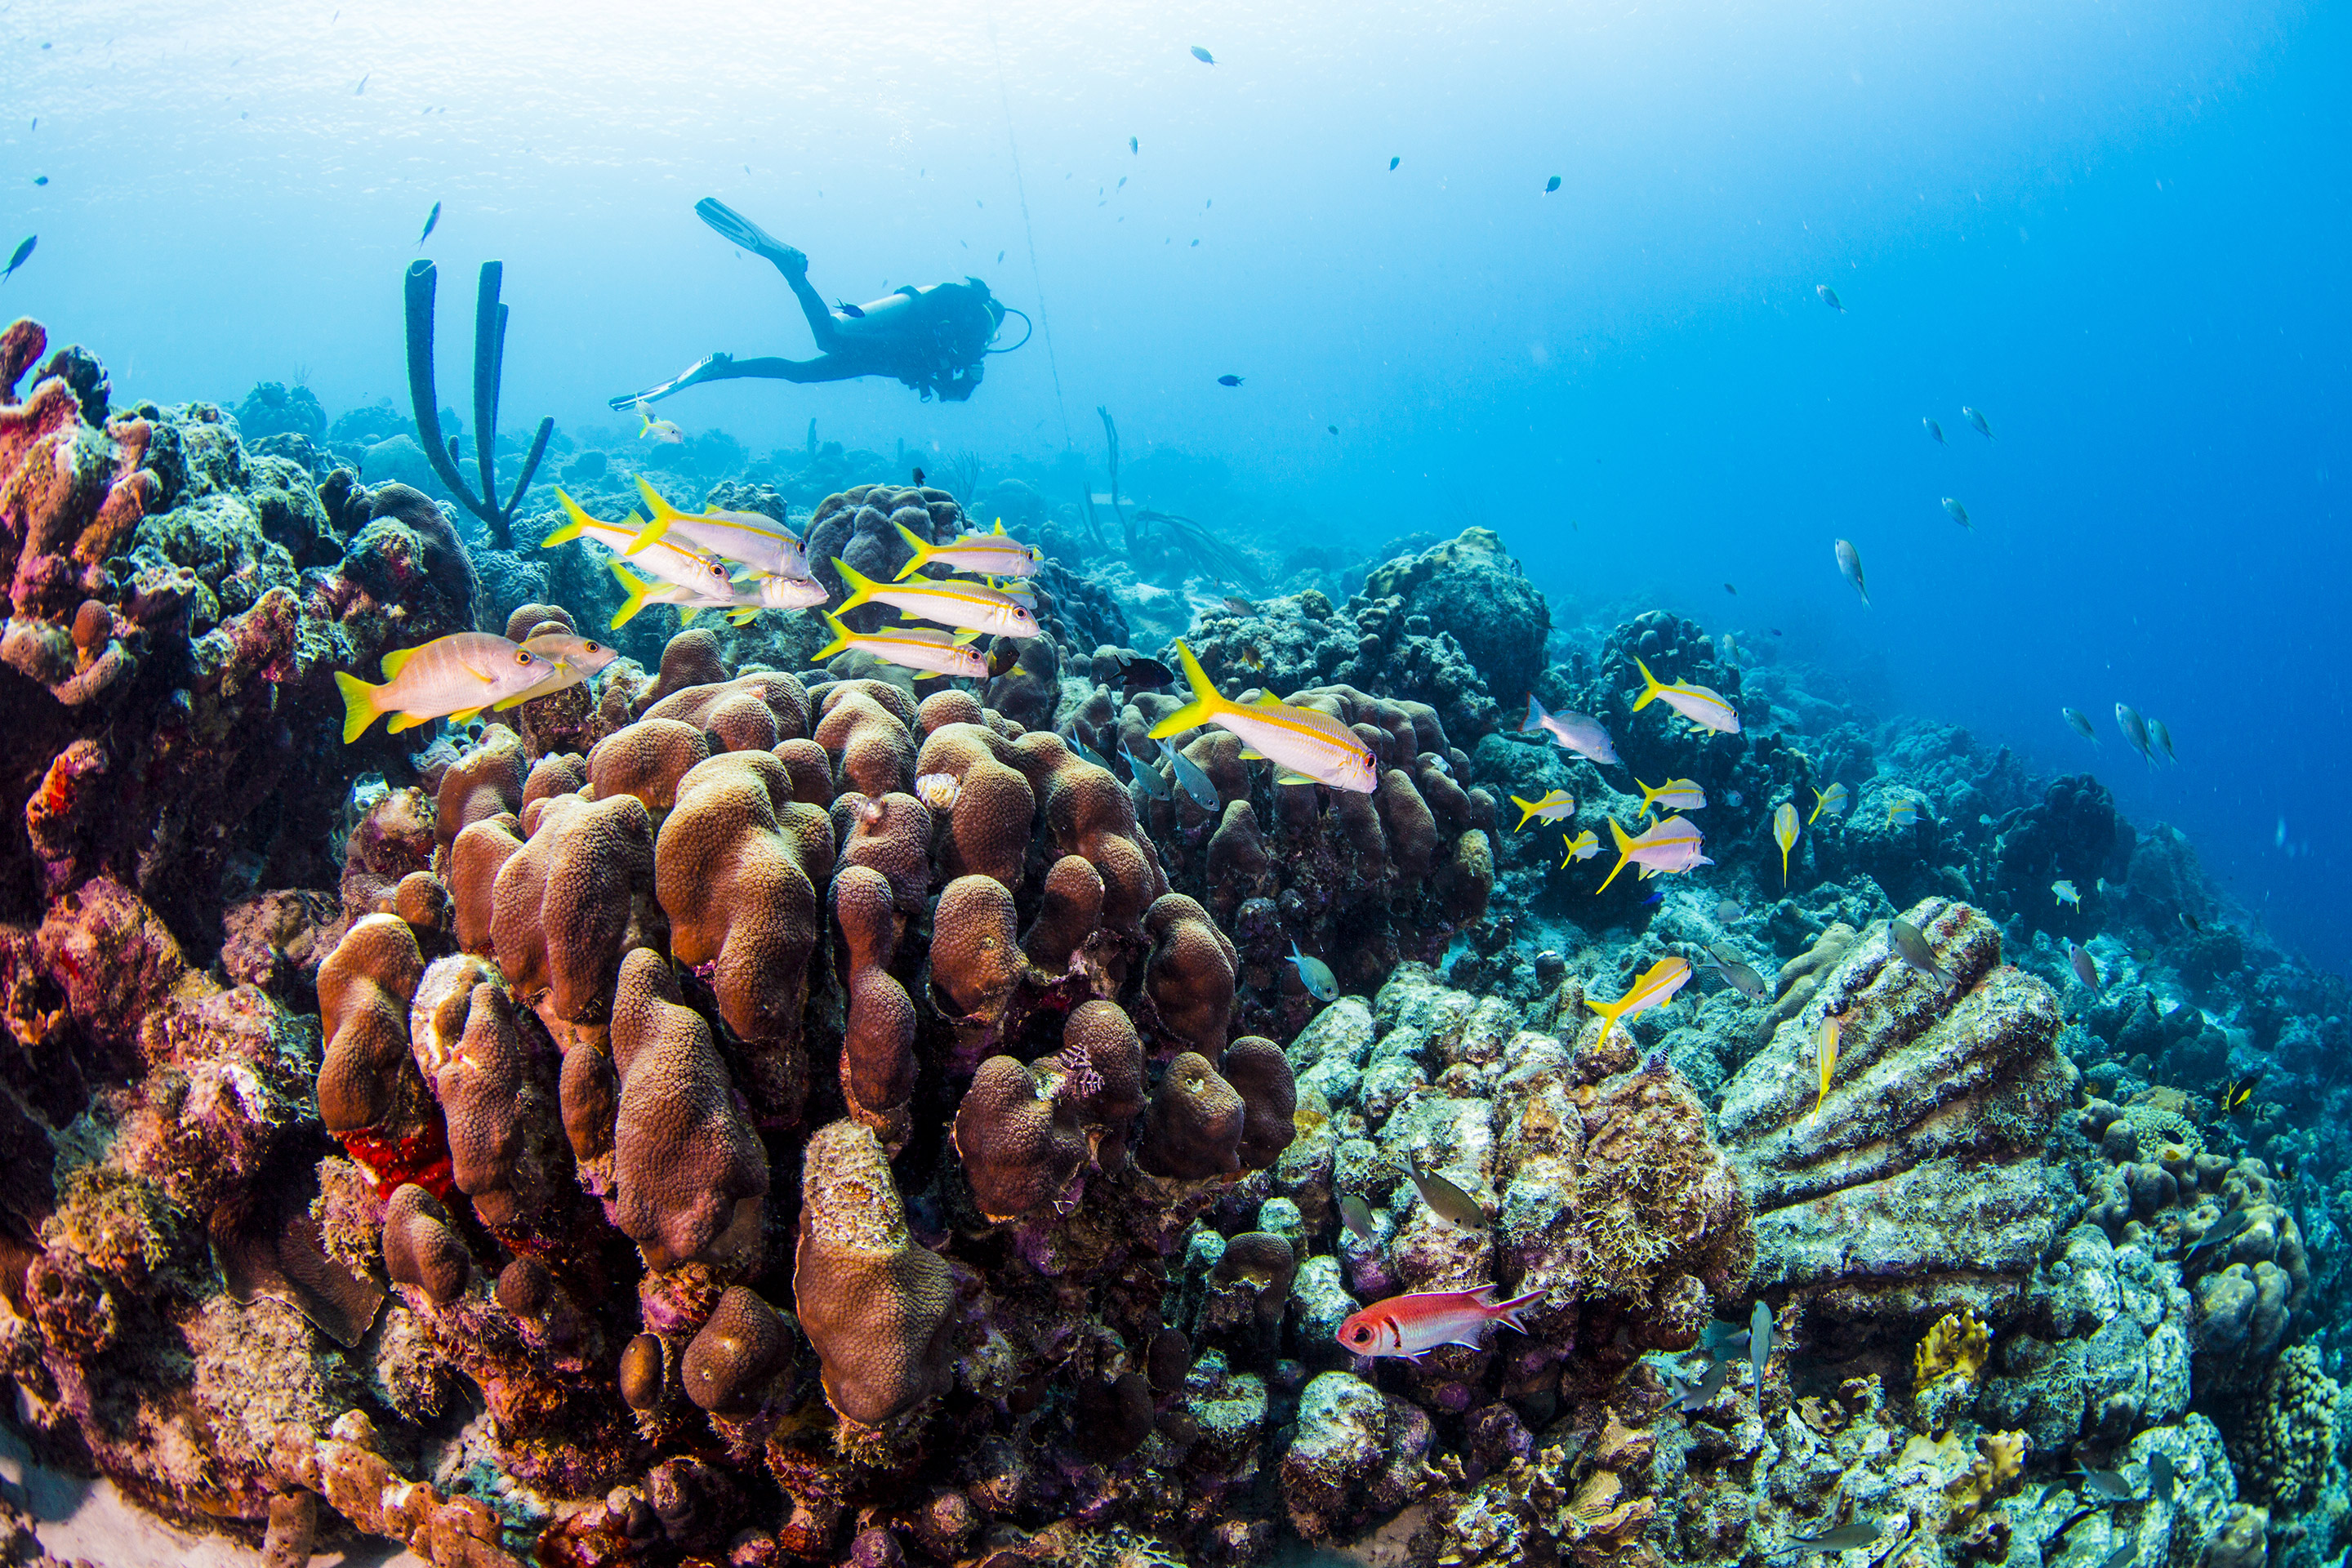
(2117, 231)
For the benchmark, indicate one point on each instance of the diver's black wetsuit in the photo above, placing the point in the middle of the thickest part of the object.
(933, 338)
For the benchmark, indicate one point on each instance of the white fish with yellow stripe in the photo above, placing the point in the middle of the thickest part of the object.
(753, 538)
(1655, 988)
(464, 672)
(1305, 744)
(910, 647)
(700, 577)
(967, 607)
(742, 603)
(997, 554)
(1704, 706)
(1669, 845)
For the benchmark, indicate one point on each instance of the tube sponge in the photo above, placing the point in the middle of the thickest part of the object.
(877, 1307)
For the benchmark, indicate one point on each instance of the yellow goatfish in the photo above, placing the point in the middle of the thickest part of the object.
(1784, 833)
(1669, 845)
(1826, 1044)
(1553, 806)
(1583, 846)
(1655, 988)
(1305, 746)
(698, 576)
(755, 539)
(1832, 800)
(997, 554)
(936, 653)
(464, 672)
(1704, 706)
(1679, 794)
(967, 607)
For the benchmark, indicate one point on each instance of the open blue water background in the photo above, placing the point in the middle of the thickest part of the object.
(2119, 230)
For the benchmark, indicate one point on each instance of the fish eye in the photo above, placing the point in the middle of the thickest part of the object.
(522, 656)
(592, 647)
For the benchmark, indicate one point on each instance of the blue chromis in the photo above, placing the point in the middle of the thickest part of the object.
(1553, 806)
(1315, 975)
(462, 673)
(1189, 778)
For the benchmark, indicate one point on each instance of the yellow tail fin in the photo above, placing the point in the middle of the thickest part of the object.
(1207, 701)
(924, 551)
(575, 524)
(1624, 844)
(1526, 808)
(862, 588)
(1649, 687)
(660, 510)
(635, 587)
(840, 643)
(358, 704)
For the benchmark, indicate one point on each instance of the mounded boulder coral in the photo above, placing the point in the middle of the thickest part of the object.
(878, 1308)
(1919, 1188)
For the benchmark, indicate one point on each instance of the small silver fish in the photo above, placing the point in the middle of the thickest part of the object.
(1742, 977)
(1357, 1216)
(1960, 513)
(2162, 739)
(1759, 1342)
(1912, 946)
(1446, 1201)
(2160, 1475)
(1578, 732)
(1849, 562)
(1315, 975)
(1976, 421)
(1934, 430)
(1844, 1538)
(1701, 1392)
(2107, 1484)
(2087, 968)
(2080, 724)
(2134, 730)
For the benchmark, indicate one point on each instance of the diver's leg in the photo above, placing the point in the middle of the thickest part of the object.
(824, 367)
(711, 367)
(820, 316)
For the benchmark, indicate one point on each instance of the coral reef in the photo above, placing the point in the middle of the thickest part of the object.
(730, 1111)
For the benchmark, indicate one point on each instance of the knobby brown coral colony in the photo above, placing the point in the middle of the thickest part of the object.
(645, 1129)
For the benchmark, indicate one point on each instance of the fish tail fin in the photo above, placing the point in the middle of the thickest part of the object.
(1819, 800)
(1535, 715)
(744, 616)
(924, 551)
(839, 643)
(575, 522)
(661, 513)
(1507, 1312)
(1649, 687)
(1624, 859)
(635, 587)
(360, 708)
(1206, 703)
(1649, 796)
(1527, 810)
(862, 588)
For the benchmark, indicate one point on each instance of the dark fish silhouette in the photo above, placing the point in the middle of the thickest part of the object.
(1844, 1538)
(1357, 1216)
(855, 312)
(1143, 675)
(1239, 606)
(40, 179)
(1204, 56)
(1002, 657)
(1229, 380)
(1551, 184)
(1394, 163)
(431, 220)
(17, 260)
(1333, 429)
(1730, 589)
(1133, 146)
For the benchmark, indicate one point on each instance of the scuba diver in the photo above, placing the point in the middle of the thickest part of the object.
(934, 339)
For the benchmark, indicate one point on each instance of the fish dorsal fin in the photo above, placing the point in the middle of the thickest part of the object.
(1269, 699)
(394, 659)
(1000, 525)
(960, 638)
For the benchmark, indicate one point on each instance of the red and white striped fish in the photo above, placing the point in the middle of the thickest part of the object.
(1411, 1326)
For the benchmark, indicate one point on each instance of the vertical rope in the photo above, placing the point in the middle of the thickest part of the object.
(1036, 280)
